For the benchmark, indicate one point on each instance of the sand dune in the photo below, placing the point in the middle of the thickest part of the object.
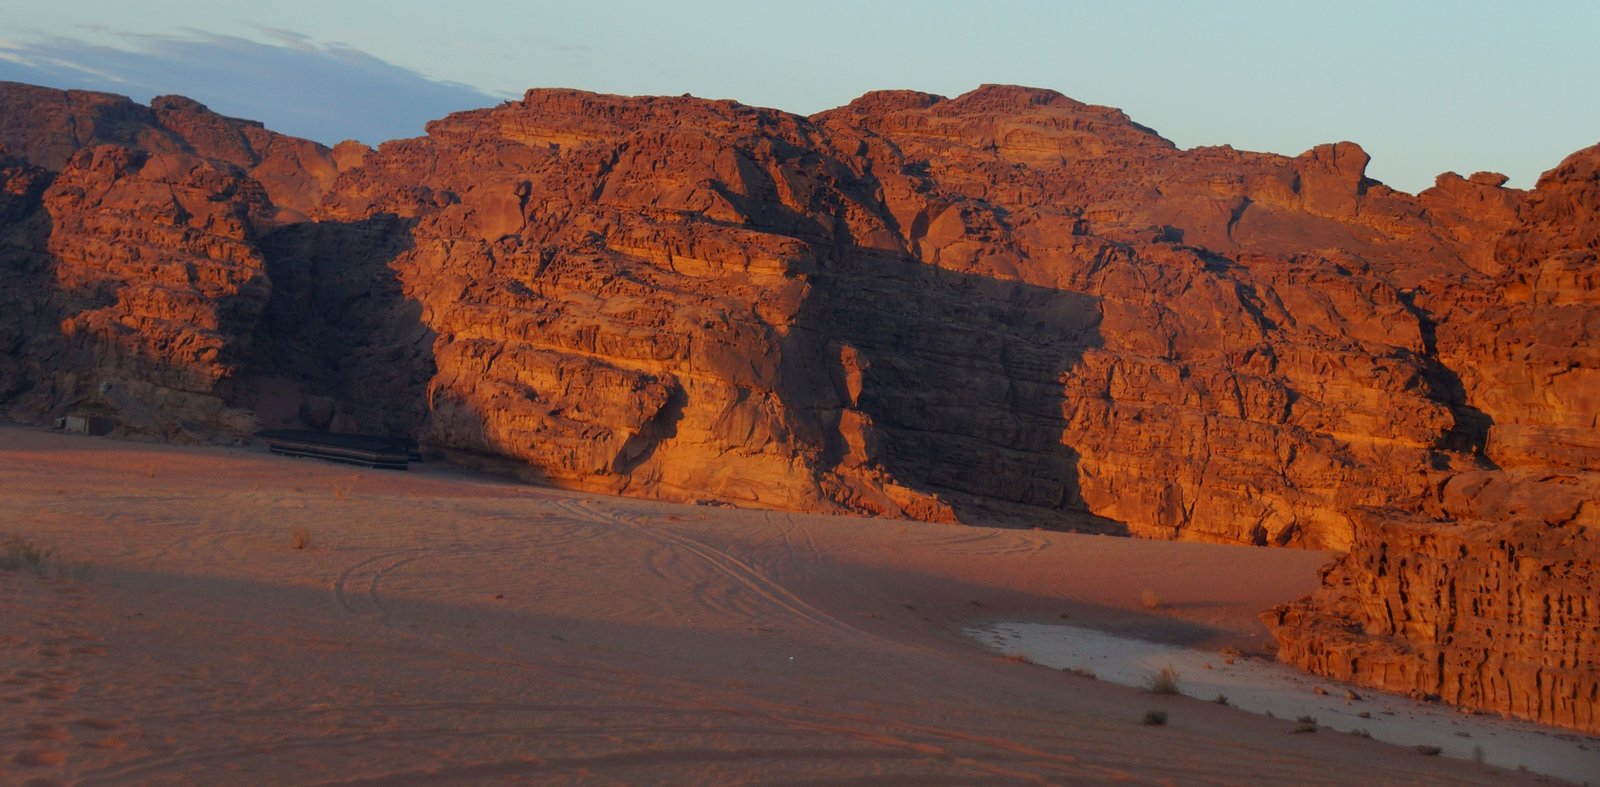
(439, 626)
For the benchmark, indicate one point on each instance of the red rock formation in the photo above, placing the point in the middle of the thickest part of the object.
(24, 231)
(139, 284)
(47, 127)
(1250, 317)
(1485, 597)
(1528, 349)
(622, 296)
(1494, 608)
(157, 283)
(667, 297)
(1004, 307)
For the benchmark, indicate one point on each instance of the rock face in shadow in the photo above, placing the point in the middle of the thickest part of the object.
(1256, 368)
(157, 283)
(24, 267)
(140, 283)
(1006, 307)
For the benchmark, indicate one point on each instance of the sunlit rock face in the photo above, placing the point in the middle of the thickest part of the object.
(1486, 596)
(1494, 608)
(999, 307)
(1006, 307)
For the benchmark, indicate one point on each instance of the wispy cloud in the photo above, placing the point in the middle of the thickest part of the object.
(322, 91)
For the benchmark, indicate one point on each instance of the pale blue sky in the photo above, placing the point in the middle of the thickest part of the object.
(1424, 86)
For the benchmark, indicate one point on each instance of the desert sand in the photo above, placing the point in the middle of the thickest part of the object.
(442, 627)
(1274, 688)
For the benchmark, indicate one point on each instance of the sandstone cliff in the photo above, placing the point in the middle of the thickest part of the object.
(133, 279)
(1484, 594)
(1494, 608)
(1005, 307)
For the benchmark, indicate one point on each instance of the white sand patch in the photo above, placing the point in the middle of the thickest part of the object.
(1271, 688)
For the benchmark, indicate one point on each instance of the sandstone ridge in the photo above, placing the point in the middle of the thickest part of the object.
(1003, 307)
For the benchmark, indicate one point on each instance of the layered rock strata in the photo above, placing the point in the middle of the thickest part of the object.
(1005, 307)
(1008, 306)
(137, 281)
(1486, 596)
(1494, 609)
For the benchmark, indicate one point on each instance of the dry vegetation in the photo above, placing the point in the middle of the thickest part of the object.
(18, 555)
(1163, 682)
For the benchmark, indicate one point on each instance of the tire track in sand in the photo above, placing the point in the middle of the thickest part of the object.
(364, 577)
(742, 574)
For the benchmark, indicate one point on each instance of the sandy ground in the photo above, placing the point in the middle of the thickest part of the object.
(1269, 687)
(445, 628)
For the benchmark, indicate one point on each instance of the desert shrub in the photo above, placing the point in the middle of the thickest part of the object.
(1306, 724)
(18, 555)
(1154, 717)
(1163, 682)
(299, 538)
(1427, 749)
(1150, 599)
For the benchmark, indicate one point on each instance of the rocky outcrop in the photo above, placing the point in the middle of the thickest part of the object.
(133, 277)
(1493, 609)
(24, 265)
(1483, 594)
(1245, 315)
(1528, 350)
(1005, 307)
(157, 283)
(48, 127)
(623, 295)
